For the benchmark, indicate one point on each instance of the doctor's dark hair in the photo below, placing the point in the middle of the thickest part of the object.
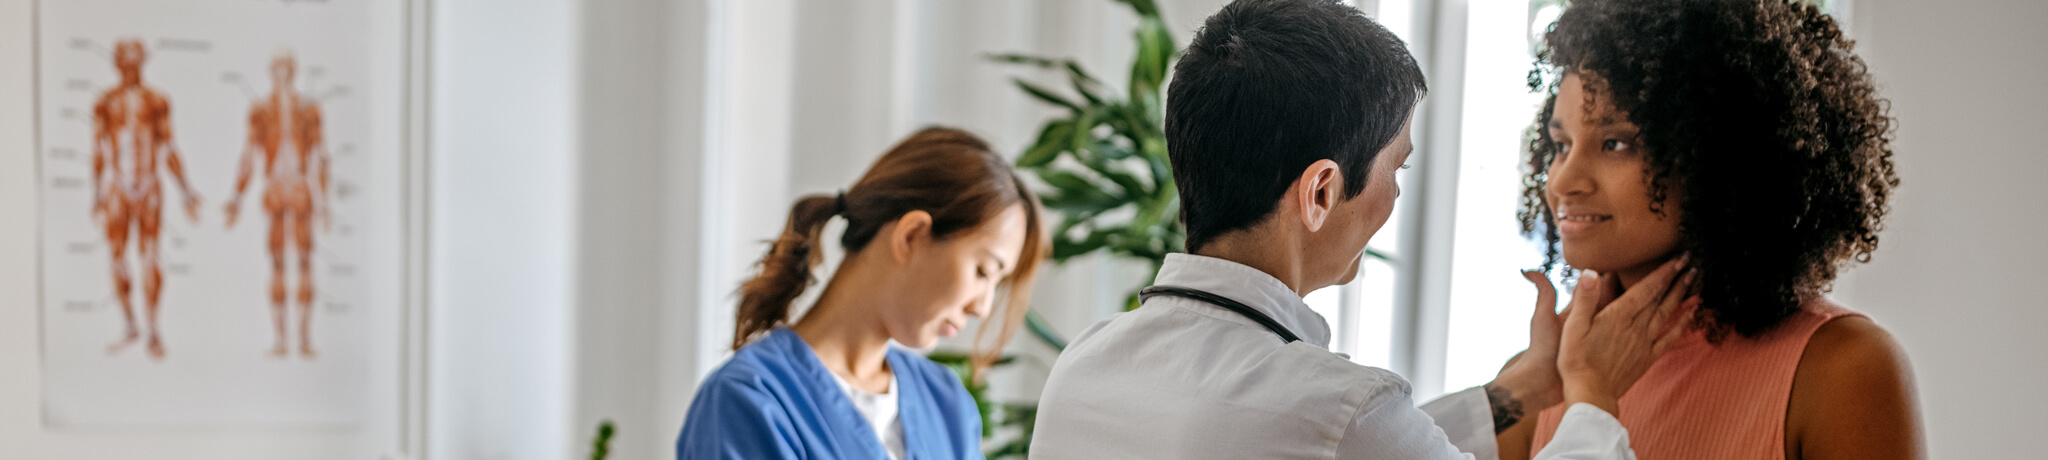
(1757, 121)
(947, 173)
(1269, 87)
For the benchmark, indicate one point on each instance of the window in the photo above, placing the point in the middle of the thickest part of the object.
(1490, 302)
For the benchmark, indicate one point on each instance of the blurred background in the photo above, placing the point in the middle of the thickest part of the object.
(570, 191)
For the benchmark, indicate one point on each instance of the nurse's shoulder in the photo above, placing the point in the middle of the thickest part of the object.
(738, 408)
(759, 366)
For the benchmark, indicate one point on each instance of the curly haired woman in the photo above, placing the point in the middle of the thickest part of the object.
(1747, 134)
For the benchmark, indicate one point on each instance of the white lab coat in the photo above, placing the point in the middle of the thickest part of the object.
(1181, 378)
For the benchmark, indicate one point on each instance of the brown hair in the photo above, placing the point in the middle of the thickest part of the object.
(947, 173)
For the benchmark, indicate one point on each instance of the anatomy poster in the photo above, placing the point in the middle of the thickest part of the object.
(202, 211)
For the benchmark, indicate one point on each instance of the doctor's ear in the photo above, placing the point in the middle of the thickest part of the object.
(908, 233)
(1316, 192)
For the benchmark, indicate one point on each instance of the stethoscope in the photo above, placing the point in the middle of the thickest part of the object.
(1220, 301)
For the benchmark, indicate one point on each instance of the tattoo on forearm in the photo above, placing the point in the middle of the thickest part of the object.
(1506, 409)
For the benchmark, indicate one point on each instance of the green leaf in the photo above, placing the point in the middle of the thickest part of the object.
(1085, 86)
(1074, 70)
(1132, 187)
(1142, 7)
(1068, 182)
(1019, 58)
(961, 358)
(1084, 129)
(1081, 202)
(1044, 331)
(1155, 49)
(1085, 147)
(601, 448)
(1109, 150)
(1083, 83)
(1014, 449)
(1132, 123)
(1045, 95)
(1062, 249)
(1153, 148)
(1162, 171)
(1048, 146)
(1018, 414)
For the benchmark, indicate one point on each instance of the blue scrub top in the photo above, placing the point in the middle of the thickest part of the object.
(776, 400)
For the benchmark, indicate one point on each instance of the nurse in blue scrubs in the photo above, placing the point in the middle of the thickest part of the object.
(938, 231)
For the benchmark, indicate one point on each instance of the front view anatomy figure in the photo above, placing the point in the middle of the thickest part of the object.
(284, 129)
(131, 133)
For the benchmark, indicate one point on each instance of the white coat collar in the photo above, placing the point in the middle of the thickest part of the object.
(1249, 286)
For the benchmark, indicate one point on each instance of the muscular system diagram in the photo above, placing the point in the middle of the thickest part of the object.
(259, 304)
(285, 134)
(131, 138)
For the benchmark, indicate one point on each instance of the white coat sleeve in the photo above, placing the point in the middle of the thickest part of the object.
(1588, 433)
(1467, 419)
(1391, 426)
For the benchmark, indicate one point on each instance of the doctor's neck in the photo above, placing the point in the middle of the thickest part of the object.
(1278, 253)
(845, 328)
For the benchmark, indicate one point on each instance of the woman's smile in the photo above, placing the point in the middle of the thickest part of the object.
(1571, 221)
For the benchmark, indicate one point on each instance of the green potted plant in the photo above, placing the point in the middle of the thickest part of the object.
(1104, 160)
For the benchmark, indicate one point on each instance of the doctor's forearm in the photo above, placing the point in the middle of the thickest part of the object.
(1511, 433)
(1515, 398)
(1518, 394)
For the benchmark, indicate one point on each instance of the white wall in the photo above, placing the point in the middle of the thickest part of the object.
(642, 123)
(569, 176)
(1956, 273)
(503, 188)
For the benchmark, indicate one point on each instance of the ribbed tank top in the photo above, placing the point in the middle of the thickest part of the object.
(1715, 402)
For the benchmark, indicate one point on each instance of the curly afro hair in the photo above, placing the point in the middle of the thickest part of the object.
(1762, 118)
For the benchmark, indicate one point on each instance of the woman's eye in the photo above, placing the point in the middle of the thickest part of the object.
(981, 273)
(1613, 145)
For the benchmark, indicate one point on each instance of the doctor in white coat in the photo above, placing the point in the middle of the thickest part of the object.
(1285, 122)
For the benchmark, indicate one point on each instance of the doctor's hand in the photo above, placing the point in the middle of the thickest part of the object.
(1533, 373)
(1607, 344)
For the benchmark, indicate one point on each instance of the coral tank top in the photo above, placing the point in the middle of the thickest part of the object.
(1705, 401)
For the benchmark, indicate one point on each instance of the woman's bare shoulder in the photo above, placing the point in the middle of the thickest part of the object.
(1853, 396)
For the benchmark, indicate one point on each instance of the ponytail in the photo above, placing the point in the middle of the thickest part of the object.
(947, 173)
(785, 270)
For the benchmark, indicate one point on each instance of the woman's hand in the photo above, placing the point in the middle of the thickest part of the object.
(1607, 344)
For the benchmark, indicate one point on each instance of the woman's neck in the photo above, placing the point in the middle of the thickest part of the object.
(1629, 276)
(845, 332)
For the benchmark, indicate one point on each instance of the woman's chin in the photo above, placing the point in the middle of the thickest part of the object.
(923, 341)
(1605, 265)
(1591, 262)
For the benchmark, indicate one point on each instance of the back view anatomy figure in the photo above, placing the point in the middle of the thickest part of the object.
(284, 129)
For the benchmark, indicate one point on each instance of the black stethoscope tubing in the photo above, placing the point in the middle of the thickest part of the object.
(1220, 301)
